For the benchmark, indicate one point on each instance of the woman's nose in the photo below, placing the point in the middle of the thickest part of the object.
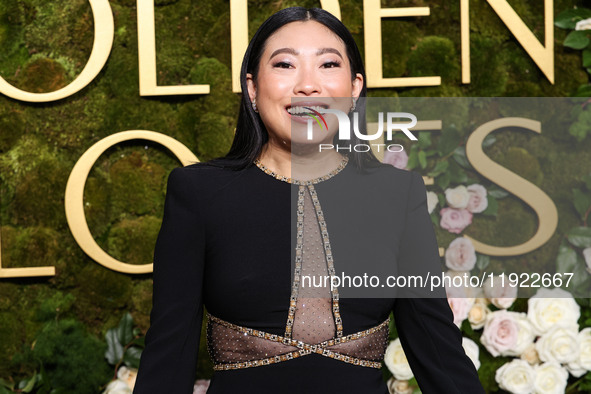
(307, 83)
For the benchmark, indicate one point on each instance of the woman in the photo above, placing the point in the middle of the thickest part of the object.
(240, 233)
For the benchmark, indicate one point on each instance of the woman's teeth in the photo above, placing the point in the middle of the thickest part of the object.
(302, 111)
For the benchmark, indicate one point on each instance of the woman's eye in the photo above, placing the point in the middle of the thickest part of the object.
(331, 64)
(282, 65)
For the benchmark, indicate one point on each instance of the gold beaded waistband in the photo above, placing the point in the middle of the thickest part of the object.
(303, 348)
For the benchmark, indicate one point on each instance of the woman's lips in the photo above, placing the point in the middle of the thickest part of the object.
(298, 119)
(304, 119)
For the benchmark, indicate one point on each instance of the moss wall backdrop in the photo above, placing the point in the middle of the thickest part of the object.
(45, 44)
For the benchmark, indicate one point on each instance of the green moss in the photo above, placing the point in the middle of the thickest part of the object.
(29, 246)
(11, 127)
(33, 180)
(488, 76)
(10, 332)
(132, 240)
(443, 90)
(522, 163)
(215, 133)
(484, 21)
(97, 204)
(220, 100)
(135, 187)
(100, 291)
(398, 40)
(141, 301)
(434, 56)
(42, 75)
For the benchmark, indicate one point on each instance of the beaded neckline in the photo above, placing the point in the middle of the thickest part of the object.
(300, 182)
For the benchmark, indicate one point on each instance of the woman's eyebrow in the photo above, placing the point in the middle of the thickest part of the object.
(292, 51)
(329, 50)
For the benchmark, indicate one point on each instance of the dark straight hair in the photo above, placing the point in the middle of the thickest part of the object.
(251, 133)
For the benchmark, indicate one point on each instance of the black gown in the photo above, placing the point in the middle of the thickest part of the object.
(227, 244)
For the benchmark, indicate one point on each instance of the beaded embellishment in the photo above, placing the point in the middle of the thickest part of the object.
(236, 347)
(300, 182)
(314, 323)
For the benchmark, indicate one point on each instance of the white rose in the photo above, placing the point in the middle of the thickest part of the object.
(117, 386)
(396, 361)
(525, 336)
(501, 332)
(530, 354)
(516, 377)
(582, 364)
(396, 386)
(432, 201)
(471, 350)
(128, 375)
(478, 314)
(584, 24)
(499, 291)
(550, 379)
(549, 306)
(560, 344)
(478, 201)
(587, 256)
(460, 255)
(457, 197)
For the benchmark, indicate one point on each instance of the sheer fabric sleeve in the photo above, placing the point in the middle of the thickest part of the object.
(169, 360)
(431, 341)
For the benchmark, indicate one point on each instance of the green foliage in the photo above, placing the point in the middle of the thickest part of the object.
(569, 262)
(71, 357)
(124, 343)
(577, 39)
(580, 128)
(56, 305)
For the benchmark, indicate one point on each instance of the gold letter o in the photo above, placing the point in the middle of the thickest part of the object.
(74, 198)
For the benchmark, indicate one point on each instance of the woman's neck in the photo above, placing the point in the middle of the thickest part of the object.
(299, 164)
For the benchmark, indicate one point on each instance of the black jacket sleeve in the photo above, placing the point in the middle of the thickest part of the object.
(169, 361)
(431, 341)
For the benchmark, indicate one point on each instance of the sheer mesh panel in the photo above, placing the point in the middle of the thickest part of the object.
(229, 345)
(314, 321)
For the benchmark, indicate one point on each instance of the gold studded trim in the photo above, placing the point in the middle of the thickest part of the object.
(303, 347)
(298, 261)
(300, 182)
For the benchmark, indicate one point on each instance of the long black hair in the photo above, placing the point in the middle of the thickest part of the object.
(251, 133)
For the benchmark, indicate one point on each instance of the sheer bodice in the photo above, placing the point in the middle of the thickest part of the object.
(314, 323)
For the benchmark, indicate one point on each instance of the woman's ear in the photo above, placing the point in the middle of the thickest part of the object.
(357, 85)
(252, 91)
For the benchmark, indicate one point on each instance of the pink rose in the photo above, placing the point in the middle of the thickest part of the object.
(478, 201)
(500, 333)
(460, 306)
(455, 220)
(397, 159)
(460, 255)
(459, 302)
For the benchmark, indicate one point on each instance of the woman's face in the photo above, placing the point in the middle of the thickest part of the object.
(302, 62)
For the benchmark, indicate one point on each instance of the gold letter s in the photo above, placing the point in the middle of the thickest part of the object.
(522, 188)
